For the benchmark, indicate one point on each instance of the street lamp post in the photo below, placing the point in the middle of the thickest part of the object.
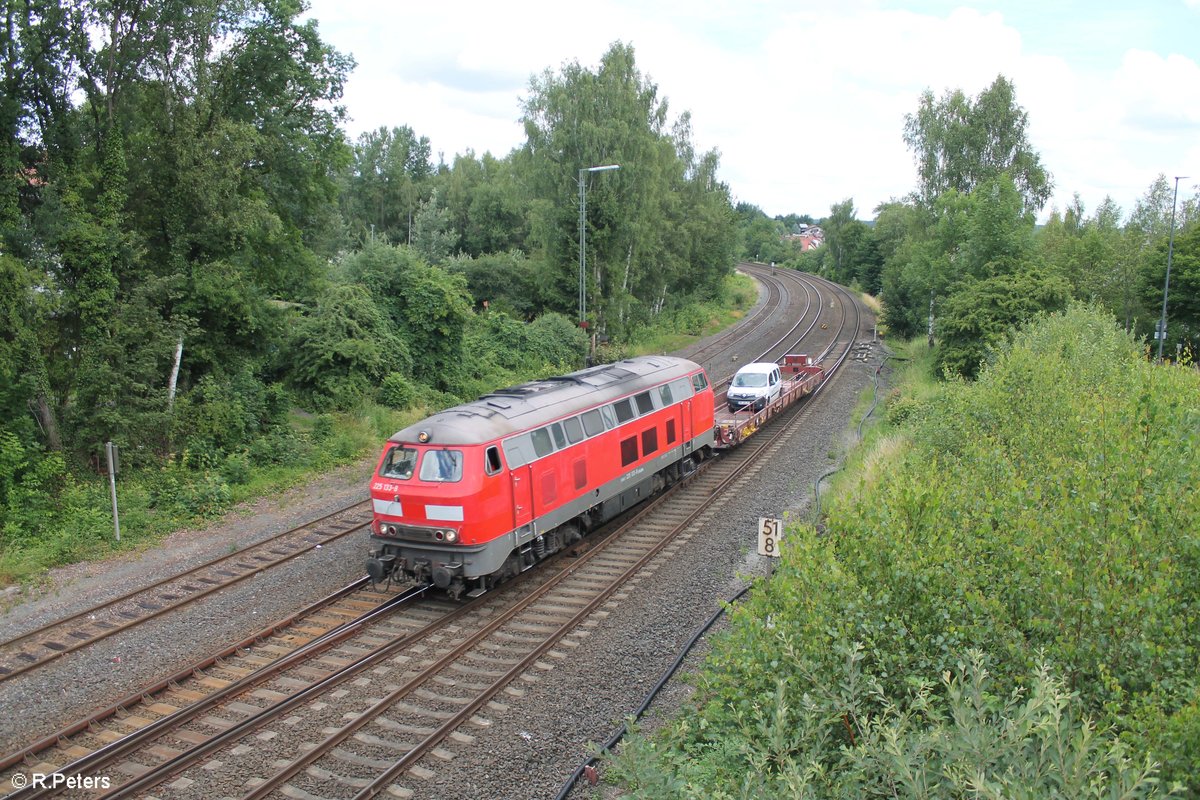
(583, 236)
(1162, 323)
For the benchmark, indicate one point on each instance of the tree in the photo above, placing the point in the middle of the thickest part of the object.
(1183, 299)
(389, 176)
(344, 348)
(174, 173)
(977, 315)
(959, 143)
(427, 306)
(637, 257)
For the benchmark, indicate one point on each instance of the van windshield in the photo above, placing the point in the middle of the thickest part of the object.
(751, 379)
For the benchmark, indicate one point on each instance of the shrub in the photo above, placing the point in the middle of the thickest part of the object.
(237, 468)
(1046, 514)
(397, 392)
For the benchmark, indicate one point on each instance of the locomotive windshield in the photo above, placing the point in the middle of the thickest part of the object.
(755, 379)
(399, 463)
(442, 465)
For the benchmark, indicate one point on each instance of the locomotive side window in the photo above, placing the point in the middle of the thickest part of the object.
(592, 423)
(649, 441)
(519, 451)
(628, 451)
(670, 431)
(560, 439)
(541, 442)
(610, 417)
(492, 460)
(442, 465)
(644, 403)
(574, 429)
(700, 381)
(624, 410)
(681, 389)
(399, 463)
(664, 393)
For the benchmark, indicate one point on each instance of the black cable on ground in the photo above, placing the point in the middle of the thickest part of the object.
(620, 732)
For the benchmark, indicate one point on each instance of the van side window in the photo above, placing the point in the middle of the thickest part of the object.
(491, 464)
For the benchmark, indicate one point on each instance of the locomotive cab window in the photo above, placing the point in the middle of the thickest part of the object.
(699, 381)
(444, 466)
(399, 463)
(664, 393)
(492, 460)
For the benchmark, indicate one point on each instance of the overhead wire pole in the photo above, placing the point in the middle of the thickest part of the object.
(1162, 323)
(583, 238)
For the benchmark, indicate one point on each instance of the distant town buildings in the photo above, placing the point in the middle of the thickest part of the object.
(809, 236)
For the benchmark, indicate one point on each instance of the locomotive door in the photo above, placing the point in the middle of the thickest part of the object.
(522, 491)
(686, 427)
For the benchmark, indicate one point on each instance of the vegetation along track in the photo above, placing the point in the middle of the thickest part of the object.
(764, 315)
(385, 691)
(44, 644)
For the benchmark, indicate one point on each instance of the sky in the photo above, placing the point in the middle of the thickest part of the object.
(805, 101)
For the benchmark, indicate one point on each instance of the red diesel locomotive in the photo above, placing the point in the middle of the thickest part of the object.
(480, 492)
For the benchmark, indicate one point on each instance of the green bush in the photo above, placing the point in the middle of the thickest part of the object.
(237, 468)
(280, 446)
(397, 392)
(956, 737)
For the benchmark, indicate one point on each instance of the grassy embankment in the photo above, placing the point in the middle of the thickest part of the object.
(1005, 603)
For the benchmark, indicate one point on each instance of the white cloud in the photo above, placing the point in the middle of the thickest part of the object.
(806, 102)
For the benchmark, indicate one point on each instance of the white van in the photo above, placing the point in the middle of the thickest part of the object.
(755, 385)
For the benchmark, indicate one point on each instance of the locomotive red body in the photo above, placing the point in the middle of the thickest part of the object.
(479, 492)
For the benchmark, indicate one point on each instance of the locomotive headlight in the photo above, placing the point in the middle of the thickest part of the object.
(451, 536)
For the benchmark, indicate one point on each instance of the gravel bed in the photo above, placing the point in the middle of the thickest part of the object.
(94, 677)
(530, 748)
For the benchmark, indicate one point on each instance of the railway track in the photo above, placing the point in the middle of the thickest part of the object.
(40, 646)
(142, 762)
(393, 694)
